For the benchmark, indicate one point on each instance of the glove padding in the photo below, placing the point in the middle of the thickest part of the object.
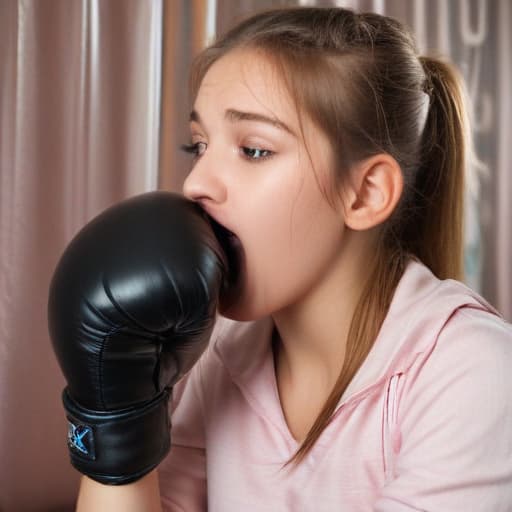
(131, 308)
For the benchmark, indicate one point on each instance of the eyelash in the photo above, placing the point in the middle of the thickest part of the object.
(194, 150)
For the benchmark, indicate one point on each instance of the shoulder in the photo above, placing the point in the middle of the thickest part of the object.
(473, 333)
(475, 346)
(454, 417)
(465, 374)
(453, 349)
(477, 332)
(460, 332)
(426, 313)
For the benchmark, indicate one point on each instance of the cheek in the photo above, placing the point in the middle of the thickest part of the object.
(268, 254)
(288, 246)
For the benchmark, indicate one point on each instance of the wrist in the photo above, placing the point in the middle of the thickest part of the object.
(144, 494)
(118, 447)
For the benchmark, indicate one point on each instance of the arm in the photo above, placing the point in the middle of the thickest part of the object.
(455, 419)
(179, 483)
(140, 496)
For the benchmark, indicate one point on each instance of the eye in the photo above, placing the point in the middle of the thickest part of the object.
(256, 154)
(196, 149)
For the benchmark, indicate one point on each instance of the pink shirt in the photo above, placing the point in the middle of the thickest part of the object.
(425, 424)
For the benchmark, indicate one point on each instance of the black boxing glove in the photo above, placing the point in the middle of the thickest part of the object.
(131, 307)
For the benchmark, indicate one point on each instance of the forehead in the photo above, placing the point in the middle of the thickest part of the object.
(246, 80)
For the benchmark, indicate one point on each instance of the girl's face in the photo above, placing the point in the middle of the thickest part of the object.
(253, 175)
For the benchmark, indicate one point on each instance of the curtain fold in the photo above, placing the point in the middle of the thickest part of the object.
(503, 174)
(185, 34)
(79, 124)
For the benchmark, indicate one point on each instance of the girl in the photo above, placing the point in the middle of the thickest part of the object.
(353, 372)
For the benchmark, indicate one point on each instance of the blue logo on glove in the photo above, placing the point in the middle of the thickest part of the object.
(80, 438)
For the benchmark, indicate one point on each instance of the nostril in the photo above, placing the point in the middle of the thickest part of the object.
(195, 195)
(203, 185)
(201, 201)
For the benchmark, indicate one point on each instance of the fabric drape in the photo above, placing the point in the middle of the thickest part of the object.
(79, 131)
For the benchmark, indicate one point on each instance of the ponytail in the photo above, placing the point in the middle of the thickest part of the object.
(435, 233)
(433, 229)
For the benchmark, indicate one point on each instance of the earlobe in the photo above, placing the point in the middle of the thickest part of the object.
(375, 189)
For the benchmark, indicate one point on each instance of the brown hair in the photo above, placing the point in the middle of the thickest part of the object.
(360, 79)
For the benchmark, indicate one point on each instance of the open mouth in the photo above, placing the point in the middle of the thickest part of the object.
(233, 249)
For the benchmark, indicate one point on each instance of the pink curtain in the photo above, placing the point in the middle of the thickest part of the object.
(80, 101)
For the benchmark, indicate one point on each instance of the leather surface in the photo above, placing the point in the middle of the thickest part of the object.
(131, 307)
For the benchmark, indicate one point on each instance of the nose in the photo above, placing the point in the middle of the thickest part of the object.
(205, 183)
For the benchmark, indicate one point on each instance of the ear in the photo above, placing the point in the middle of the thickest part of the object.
(373, 191)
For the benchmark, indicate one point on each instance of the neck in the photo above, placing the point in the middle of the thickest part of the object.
(311, 335)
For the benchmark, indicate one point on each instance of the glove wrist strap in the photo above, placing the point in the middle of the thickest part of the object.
(118, 447)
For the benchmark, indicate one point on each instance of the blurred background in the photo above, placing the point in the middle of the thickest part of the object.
(93, 108)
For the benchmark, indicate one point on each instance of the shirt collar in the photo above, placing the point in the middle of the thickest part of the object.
(420, 307)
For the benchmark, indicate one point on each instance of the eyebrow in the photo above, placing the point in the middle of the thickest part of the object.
(236, 115)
